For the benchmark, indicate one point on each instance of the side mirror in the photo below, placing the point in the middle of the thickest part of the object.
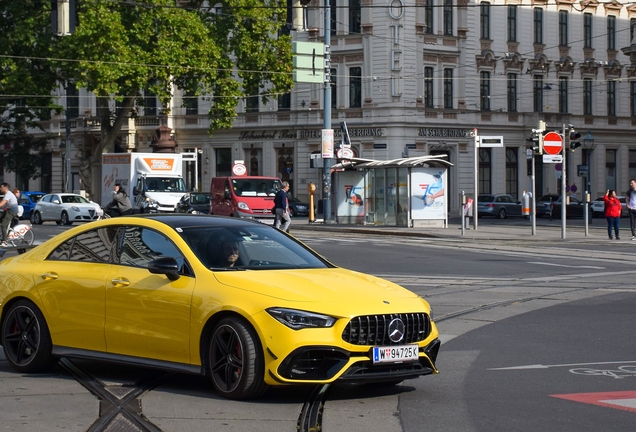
(166, 266)
(135, 191)
(56, 201)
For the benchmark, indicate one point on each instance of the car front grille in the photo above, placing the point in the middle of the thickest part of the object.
(373, 329)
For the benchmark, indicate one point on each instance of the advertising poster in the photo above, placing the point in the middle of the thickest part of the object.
(350, 197)
(428, 193)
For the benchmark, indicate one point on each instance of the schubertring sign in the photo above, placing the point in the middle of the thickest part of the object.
(304, 134)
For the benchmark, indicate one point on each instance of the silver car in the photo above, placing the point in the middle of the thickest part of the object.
(498, 205)
(598, 207)
(65, 208)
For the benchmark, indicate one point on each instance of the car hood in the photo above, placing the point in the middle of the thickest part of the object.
(341, 287)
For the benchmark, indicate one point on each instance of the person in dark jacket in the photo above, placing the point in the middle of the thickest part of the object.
(613, 208)
(281, 203)
(120, 205)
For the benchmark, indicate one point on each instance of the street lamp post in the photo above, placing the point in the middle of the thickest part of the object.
(63, 154)
(588, 144)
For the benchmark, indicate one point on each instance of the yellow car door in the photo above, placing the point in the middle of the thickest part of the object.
(148, 315)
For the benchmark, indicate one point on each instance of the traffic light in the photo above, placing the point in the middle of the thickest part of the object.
(574, 140)
(537, 141)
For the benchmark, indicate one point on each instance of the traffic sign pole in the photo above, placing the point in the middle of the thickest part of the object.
(564, 197)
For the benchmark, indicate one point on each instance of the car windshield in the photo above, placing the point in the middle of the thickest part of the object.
(36, 197)
(256, 187)
(259, 247)
(74, 199)
(165, 184)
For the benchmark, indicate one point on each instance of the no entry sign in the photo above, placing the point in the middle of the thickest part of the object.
(552, 143)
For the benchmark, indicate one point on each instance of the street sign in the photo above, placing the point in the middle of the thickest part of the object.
(490, 141)
(309, 62)
(344, 153)
(552, 143)
(552, 158)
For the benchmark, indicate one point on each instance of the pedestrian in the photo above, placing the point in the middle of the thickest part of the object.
(16, 218)
(120, 205)
(10, 206)
(613, 209)
(630, 199)
(281, 204)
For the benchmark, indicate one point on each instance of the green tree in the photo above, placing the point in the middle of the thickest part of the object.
(27, 78)
(119, 49)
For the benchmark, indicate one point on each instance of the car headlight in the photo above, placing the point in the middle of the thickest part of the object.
(151, 203)
(297, 319)
(243, 206)
(301, 208)
(196, 212)
(75, 208)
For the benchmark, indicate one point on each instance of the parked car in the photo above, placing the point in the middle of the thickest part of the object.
(550, 204)
(238, 301)
(598, 207)
(498, 205)
(28, 200)
(297, 207)
(65, 208)
(194, 202)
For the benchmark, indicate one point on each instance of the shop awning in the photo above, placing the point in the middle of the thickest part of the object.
(421, 161)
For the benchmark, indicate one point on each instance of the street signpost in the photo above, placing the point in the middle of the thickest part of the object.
(552, 143)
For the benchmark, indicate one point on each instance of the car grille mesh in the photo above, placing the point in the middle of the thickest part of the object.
(373, 329)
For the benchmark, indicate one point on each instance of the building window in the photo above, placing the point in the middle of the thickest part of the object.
(448, 88)
(428, 16)
(611, 98)
(355, 87)
(512, 23)
(448, 17)
(223, 162)
(512, 172)
(610, 169)
(538, 25)
(72, 100)
(484, 90)
(538, 93)
(587, 96)
(563, 95)
(251, 101)
(563, 27)
(334, 16)
(354, 16)
(632, 27)
(512, 92)
(285, 166)
(150, 104)
(611, 32)
(284, 102)
(484, 171)
(587, 30)
(334, 88)
(255, 159)
(632, 97)
(632, 164)
(191, 103)
(428, 87)
(484, 15)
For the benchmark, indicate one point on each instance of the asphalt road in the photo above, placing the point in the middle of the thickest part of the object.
(532, 337)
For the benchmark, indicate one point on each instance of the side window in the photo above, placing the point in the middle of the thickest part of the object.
(140, 245)
(94, 246)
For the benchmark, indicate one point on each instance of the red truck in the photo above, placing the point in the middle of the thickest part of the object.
(244, 197)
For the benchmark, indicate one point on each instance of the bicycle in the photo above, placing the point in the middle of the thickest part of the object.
(101, 215)
(20, 235)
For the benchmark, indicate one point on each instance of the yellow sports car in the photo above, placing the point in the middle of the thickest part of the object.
(239, 301)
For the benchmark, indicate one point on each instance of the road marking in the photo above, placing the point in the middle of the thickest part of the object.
(622, 400)
(540, 366)
(564, 265)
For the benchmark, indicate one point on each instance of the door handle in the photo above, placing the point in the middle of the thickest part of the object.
(120, 282)
(49, 276)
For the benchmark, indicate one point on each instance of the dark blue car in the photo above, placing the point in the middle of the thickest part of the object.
(27, 200)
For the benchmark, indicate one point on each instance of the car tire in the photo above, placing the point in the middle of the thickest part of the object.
(31, 217)
(501, 214)
(26, 339)
(292, 212)
(65, 220)
(37, 218)
(235, 360)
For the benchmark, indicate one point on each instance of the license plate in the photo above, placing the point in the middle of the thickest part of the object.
(395, 354)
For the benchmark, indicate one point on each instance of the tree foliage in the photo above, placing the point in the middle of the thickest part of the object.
(119, 49)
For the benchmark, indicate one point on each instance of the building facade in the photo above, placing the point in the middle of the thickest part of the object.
(416, 78)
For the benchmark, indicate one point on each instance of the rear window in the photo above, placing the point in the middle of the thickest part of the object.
(486, 198)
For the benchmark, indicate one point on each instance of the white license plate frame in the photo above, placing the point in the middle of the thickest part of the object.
(395, 354)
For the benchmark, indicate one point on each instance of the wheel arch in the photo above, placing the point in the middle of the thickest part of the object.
(7, 305)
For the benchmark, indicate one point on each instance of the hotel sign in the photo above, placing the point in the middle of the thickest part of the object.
(287, 134)
(444, 133)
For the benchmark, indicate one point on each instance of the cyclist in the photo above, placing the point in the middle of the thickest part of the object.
(120, 205)
(10, 205)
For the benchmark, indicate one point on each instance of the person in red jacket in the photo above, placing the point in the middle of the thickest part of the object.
(612, 212)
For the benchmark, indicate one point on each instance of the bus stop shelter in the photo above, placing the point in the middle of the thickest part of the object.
(408, 192)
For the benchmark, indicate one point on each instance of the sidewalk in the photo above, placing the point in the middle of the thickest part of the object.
(487, 229)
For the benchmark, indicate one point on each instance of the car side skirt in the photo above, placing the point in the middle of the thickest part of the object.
(61, 351)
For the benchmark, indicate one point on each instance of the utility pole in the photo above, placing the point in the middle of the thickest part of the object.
(326, 161)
